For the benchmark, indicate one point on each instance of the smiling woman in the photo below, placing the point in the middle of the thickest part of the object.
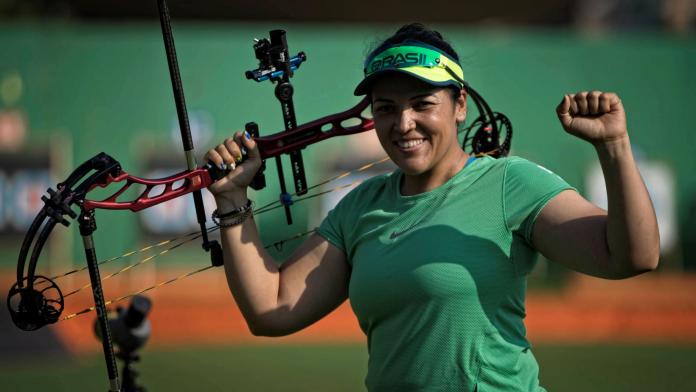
(417, 126)
(434, 257)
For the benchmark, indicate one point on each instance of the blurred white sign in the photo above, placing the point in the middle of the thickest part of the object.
(659, 180)
(202, 127)
(23, 192)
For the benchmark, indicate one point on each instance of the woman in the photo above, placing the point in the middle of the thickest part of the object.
(434, 256)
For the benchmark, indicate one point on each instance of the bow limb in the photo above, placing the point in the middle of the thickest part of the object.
(315, 131)
(174, 186)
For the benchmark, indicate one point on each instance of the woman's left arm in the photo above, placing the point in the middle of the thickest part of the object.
(621, 242)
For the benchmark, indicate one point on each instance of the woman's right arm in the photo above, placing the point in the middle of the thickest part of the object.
(275, 300)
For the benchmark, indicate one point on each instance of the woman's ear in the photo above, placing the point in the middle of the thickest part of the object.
(460, 106)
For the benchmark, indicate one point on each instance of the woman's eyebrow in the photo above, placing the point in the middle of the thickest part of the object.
(419, 96)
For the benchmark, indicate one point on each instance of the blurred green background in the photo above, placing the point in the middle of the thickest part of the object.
(87, 88)
(83, 86)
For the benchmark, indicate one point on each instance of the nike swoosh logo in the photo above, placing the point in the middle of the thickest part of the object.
(395, 234)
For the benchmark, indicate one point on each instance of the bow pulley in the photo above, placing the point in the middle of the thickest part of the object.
(33, 307)
(488, 128)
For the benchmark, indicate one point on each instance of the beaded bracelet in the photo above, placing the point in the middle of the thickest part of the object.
(234, 217)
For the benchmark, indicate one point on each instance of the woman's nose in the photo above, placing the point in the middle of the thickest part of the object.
(404, 121)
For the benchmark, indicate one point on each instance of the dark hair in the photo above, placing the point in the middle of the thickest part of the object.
(419, 32)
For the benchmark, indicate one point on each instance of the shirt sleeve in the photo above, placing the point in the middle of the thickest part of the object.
(527, 188)
(331, 228)
(342, 224)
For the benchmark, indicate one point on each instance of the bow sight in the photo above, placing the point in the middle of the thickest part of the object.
(273, 58)
(276, 65)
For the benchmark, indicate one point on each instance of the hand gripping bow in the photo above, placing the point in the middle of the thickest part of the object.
(35, 300)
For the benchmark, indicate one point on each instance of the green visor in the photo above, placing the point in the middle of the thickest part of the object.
(413, 58)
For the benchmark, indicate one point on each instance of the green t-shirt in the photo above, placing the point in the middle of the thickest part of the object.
(438, 279)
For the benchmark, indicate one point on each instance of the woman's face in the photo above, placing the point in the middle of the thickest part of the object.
(417, 123)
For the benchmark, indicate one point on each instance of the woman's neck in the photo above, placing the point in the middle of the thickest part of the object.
(437, 176)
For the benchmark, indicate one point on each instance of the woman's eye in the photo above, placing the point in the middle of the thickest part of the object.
(423, 104)
(381, 109)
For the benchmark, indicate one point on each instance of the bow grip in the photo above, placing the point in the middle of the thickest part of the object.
(259, 181)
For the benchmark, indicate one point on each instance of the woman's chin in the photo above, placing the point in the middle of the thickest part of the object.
(412, 164)
(412, 168)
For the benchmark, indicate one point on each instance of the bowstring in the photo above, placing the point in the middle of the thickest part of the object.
(277, 203)
(141, 262)
(166, 282)
(277, 244)
(194, 235)
(197, 234)
(272, 207)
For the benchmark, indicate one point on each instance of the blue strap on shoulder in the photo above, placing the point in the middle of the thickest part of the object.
(471, 159)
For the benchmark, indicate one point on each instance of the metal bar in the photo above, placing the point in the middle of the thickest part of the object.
(87, 227)
(177, 86)
(181, 112)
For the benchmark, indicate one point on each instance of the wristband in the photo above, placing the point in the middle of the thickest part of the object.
(233, 217)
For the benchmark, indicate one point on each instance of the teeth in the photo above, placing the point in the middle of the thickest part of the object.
(409, 143)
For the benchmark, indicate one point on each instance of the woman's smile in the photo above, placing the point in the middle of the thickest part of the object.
(417, 126)
(409, 145)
